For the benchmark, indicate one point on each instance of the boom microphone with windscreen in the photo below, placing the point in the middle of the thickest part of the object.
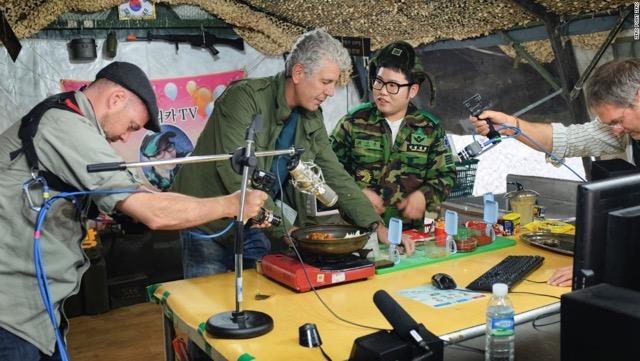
(405, 326)
(409, 340)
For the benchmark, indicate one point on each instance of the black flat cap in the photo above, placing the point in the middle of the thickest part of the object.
(132, 78)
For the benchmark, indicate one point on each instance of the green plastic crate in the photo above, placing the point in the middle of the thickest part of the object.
(466, 178)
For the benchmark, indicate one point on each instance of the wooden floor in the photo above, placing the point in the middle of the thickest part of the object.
(131, 333)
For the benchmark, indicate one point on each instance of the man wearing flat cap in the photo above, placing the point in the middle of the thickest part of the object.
(53, 144)
(397, 153)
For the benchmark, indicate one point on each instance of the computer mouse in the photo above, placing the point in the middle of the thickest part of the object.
(443, 281)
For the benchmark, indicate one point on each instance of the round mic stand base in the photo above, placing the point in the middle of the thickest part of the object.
(237, 325)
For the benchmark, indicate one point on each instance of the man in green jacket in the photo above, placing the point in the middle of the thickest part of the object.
(289, 104)
(398, 154)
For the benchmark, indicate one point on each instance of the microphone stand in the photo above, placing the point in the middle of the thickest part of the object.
(236, 324)
(241, 324)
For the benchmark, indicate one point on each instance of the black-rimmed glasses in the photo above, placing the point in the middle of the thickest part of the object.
(169, 147)
(392, 87)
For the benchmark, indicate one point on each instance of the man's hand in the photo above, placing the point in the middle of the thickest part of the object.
(497, 118)
(409, 245)
(264, 224)
(253, 201)
(383, 233)
(562, 277)
(413, 206)
(383, 237)
(375, 199)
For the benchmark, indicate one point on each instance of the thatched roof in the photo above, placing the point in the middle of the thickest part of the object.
(271, 26)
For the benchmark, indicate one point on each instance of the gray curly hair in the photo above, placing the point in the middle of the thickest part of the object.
(616, 83)
(314, 46)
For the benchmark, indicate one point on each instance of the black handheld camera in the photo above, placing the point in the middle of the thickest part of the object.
(475, 106)
(265, 215)
(264, 181)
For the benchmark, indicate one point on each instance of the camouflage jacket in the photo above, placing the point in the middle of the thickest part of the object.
(420, 159)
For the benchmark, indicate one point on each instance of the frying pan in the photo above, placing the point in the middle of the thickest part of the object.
(338, 246)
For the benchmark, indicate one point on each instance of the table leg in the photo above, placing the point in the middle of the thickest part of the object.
(169, 335)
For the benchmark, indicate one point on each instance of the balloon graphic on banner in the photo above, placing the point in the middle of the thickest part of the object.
(218, 91)
(171, 91)
(201, 98)
(191, 87)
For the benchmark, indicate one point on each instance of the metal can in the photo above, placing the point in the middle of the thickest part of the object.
(538, 212)
(510, 224)
(507, 227)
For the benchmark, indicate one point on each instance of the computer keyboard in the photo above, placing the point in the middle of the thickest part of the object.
(510, 270)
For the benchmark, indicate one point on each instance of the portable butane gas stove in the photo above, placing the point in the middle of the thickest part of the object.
(322, 270)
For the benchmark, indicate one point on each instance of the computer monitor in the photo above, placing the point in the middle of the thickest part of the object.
(622, 256)
(594, 203)
(611, 168)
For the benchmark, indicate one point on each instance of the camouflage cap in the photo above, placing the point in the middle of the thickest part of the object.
(399, 54)
(153, 143)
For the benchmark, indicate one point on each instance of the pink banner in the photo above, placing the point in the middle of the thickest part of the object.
(185, 104)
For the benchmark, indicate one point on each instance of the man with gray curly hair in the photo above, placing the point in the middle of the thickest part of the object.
(289, 104)
(613, 95)
(313, 47)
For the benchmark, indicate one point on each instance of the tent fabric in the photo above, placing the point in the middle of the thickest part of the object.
(271, 26)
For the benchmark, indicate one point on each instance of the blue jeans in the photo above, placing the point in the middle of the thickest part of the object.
(15, 348)
(201, 257)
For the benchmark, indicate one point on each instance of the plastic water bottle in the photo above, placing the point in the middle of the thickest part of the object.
(500, 333)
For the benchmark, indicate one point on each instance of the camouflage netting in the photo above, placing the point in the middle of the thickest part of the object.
(271, 26)
(542, 52)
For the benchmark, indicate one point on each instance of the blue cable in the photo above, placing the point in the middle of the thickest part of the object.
(490, 143)
(41, 274)
(519, 132)
(211, 236)
(277, 159)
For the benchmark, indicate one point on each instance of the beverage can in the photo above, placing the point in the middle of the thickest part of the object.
(510, 224)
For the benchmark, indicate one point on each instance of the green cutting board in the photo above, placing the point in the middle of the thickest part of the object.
(418, 259)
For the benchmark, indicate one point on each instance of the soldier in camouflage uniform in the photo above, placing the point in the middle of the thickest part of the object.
(398, 154)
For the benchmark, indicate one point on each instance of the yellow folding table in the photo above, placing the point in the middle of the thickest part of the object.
(188, 304)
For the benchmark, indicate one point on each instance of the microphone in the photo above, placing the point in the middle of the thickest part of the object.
(307, 178)
(403, 325)
(470, 151)
(475, 107)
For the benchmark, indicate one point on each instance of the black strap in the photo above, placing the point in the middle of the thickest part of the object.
(29, 127)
